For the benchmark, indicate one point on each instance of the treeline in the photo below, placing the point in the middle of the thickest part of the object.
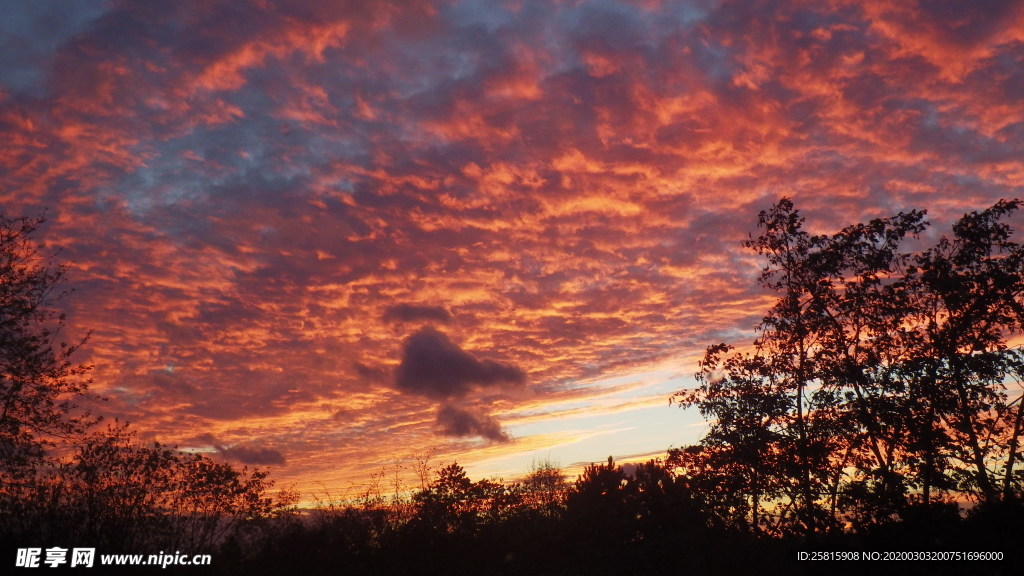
(120, 496)
(612, 519)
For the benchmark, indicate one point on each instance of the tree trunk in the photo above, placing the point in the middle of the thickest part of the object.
(1008, 494)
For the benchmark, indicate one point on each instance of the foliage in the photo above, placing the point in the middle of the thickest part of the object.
(135, 494)
(122, 495)
(544, 487)
(454, 504)
(877, 381)
(38, 381)
(61, 481)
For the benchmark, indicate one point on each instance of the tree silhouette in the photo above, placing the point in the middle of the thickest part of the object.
(966, 295)
(120, 494)
(544, 487)
(878, 378)
(39, 384)
(453, 503)
(600, 510)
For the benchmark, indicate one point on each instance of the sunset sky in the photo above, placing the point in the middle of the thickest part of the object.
(331, 237)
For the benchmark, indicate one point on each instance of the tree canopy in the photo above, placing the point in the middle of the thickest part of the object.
(39, 383)
(883, 378)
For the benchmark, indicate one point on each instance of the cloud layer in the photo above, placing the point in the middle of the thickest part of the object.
(269, 205)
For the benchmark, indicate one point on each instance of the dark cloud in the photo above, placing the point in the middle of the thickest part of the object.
(415, 312)
(249, 455)
(434, 366)
(965, 24)
(462, 423)
(31, 34)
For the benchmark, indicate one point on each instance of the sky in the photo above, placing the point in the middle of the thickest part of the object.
(335, 238)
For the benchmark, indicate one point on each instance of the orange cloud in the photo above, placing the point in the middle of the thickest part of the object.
(261, 215)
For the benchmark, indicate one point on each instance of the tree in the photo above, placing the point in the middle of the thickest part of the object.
(39, 383)
(128, 495)
(454, 504)
(741, 461)
(878, 376)
(544, 487)
(598, 506)
(122, 495)
(966, 302)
